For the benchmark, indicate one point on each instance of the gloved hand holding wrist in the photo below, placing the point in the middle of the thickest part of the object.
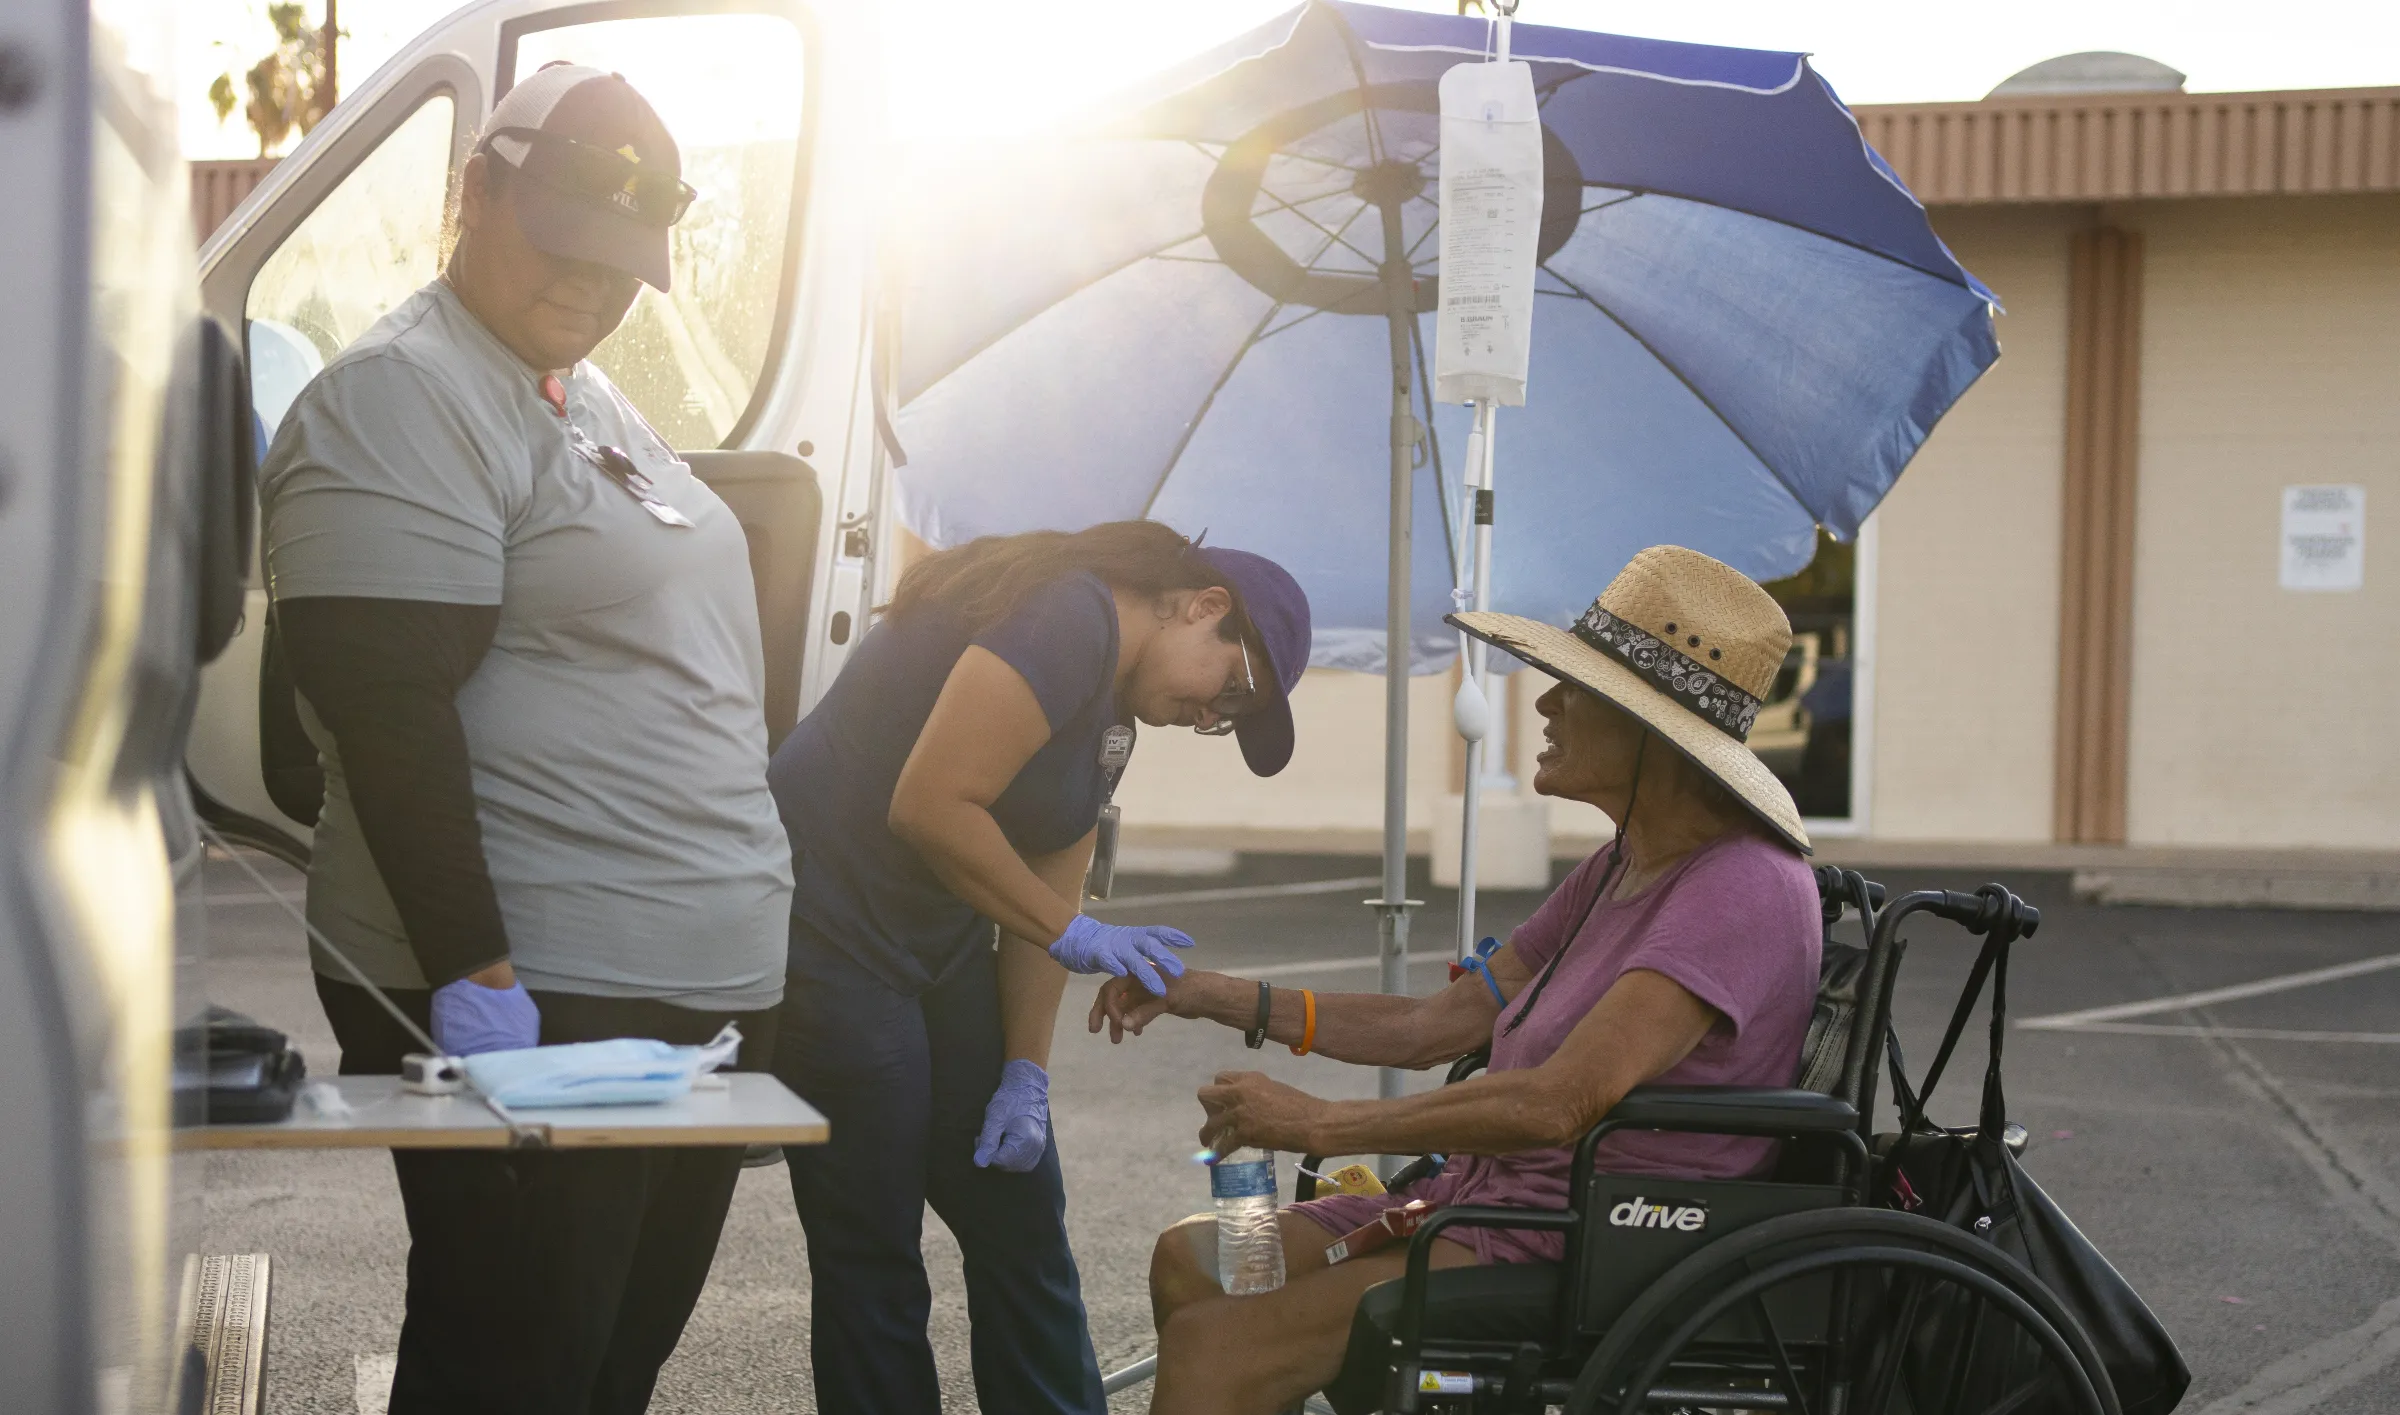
(1138, 951)
(469, 1018)
(1016, 1124)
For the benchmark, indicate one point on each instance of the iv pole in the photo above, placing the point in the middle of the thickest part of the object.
(1471, 711)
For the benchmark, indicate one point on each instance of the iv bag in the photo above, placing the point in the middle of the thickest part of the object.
(1491, 218)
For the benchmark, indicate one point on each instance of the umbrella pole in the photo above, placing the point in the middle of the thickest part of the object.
(1400, 309)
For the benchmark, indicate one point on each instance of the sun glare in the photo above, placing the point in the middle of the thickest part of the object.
(971, 66)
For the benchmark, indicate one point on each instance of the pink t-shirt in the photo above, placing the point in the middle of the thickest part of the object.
(1736, 923)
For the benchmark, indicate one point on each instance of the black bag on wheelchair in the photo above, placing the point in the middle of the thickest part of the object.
(1970, 1179)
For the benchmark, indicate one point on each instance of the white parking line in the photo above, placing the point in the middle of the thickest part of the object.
(2238, 1034)
(2069, 1021)
(249, 896)
(1239, 891)
(371, 1389)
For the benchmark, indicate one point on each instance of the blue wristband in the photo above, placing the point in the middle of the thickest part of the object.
(1477, 966)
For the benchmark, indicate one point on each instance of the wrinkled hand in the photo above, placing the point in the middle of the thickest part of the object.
(1127, 1006)
(1138, 951)
(469, 1018)
(1016, 1125)
(1250, 1108)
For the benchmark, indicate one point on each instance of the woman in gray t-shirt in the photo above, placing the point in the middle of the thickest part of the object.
(526, 647)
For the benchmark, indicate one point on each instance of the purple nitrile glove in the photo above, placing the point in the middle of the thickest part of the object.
(1089, 946)
(469, 1018)
(1016, 1125)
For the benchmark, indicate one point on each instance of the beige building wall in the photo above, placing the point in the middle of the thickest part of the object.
(2270, 357)
(1966, 632)
(1181, 783)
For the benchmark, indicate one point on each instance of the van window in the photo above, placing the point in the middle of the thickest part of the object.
(372, 242)
(729, 88)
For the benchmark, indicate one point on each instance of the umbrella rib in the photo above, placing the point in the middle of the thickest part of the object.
(1798, 497)
(1333, 236)
(1313, 312)
(1336, 234)
(1619, 199)
(1191, 428)
(1901, 261)
(1292, 156)
(1156, 253)
(1218, 155)
(1358, 71)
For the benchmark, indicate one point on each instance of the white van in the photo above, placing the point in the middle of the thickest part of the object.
(137, 679)
(759, 368)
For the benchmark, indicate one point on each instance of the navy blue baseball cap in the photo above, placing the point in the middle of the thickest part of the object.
(1278, 612)
(559, 127)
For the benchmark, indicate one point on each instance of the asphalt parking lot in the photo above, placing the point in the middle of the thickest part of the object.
(2236, 1158)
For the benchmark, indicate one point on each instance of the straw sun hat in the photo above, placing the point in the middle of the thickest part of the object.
(1689, 645)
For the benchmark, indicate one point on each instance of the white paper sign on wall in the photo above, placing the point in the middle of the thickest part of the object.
(1491, 204)
(2324, 537)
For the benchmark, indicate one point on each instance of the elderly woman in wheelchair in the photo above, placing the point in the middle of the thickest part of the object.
(1686, 952)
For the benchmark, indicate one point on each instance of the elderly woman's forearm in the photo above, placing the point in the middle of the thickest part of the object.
(1363, 1028)
(1492, 1114)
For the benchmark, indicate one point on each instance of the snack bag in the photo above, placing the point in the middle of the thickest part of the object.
(1392, 1224)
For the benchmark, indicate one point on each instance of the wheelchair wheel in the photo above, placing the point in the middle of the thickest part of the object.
(1855, 1311)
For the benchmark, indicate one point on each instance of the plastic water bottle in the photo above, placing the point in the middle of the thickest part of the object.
(1249, 1246)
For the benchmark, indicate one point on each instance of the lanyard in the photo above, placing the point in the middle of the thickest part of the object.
(614, 462)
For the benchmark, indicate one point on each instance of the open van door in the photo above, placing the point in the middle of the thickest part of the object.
(124, 525)
(756, 368)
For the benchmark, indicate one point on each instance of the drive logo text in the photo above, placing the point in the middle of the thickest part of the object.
(1638, 1212)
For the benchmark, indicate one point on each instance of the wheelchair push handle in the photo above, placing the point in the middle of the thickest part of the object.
(1987, 909)
(1839, 889)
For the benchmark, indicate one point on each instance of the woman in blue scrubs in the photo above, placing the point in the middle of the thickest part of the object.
(941, 802)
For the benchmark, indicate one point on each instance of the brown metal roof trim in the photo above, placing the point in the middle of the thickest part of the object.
(2132, 146)
(218, 187)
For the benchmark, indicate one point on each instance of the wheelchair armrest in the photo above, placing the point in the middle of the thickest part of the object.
(1731, 1110)
(1768, 1111)
(1409, 1331)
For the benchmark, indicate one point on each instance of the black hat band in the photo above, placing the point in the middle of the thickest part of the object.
(1717, 702)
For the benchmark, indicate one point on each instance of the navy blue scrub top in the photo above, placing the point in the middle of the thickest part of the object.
(861, 887)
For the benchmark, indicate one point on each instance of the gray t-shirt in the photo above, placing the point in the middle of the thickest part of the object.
(615, 729)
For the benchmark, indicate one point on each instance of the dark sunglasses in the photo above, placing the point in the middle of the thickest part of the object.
(588, 170)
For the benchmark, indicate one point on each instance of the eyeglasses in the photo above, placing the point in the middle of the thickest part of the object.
(1234, 701)
(600, 174)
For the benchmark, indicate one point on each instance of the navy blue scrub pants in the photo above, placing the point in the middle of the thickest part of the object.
(904, 1081)
(548, 1282)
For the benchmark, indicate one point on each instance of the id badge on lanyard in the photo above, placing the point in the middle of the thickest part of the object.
(614, 462)
(1116, 749)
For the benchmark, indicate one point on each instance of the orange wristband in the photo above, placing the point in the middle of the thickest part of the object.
(1308, 1022)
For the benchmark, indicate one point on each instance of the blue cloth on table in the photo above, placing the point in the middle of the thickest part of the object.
(625, 1071)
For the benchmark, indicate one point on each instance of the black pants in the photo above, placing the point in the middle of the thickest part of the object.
(548, 1282)
(904, 1081)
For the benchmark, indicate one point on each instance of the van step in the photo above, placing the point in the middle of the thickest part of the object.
(224, 1321)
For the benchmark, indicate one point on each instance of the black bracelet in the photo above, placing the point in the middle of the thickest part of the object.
(1256, 1037)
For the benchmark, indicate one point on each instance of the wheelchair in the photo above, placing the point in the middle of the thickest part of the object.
(1793, 1292)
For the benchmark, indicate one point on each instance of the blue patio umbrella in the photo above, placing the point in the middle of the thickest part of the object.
(1211, 302)
(1745, 329)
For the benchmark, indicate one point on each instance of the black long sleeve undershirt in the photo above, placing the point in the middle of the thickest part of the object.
(383, 676)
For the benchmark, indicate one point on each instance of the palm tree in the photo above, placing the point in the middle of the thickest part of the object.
(295, 85)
